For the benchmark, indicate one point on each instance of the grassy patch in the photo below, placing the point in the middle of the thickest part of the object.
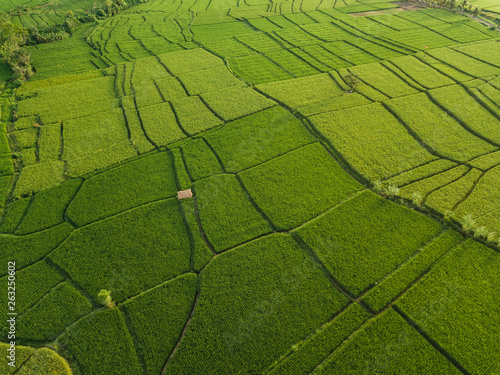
(223, 204)
(145, 180)
(103, 255)
(371, 140)
(257, 316)
(298, 186)
(257, 138)
(155, 339)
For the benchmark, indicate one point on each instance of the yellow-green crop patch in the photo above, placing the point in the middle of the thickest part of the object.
(222, 203)
(452, 288)
(257, 316)
(102, 253)
(296, 187)
(359, 241)
(257, 138)
(360, 133)
(249, 187)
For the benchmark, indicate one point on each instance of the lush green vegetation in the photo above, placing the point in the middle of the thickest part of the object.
(298, 186)
(258, 315)
(280, 118)
(455, 281)
(359, 243)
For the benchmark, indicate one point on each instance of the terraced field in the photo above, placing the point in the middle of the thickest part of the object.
(288, 258)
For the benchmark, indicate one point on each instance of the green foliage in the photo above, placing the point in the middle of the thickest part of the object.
(257, 138)
(437, 129)
(45, 361)
(104, 298)
(464, 63)
(366, 238)
(491, 237)
(480, 233)
(421, 73)
(78, 96)
(201, 252)
(208, 80)
(13, 215)
(200, 160)
(257, 69)
(312, 95)
(439, 303)
(183, 180)
(222, 203)
(31, 361)
(50, 142)
(133, 184)
(392, 190)
(483, 202)
(303, 92)
(84, 342)
(32, 283)
(467, 109)
(435, 182)
(100, 159)
(391, 287)
(28, 249)
(160, 124)
(26, 138)
(88, 135)
(4, 187)
(487, 52)
(291, 63)
(235, 102)
(326, 339)
(298, 186)
(416, 198)
(12, 53)
(189, 61)
(47, 208)
(156, 339)
(359, 134)
(468, 223)
(38, 177)
(370, 350)
(352, 81)
(194, 116)
(59, 308)
(420, 173)
(104, 254)
(382, 79)
(260, 313)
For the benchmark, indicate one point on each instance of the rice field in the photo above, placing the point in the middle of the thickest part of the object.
(295, 187)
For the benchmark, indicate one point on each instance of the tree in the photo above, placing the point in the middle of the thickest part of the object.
(104, 297)
(352, 81)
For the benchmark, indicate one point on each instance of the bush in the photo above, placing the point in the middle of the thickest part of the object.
(133, 184)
